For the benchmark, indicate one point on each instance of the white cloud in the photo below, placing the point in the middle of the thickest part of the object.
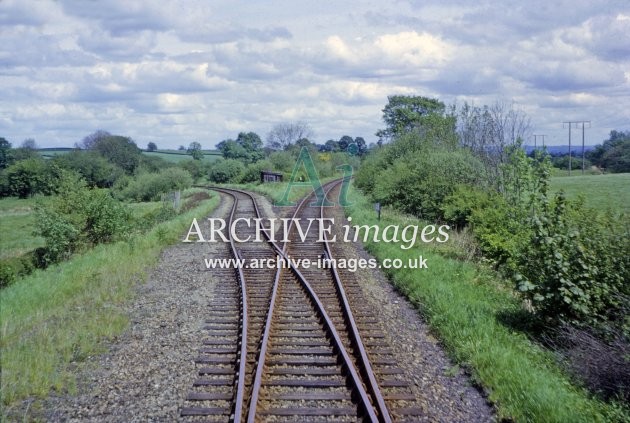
(170, 74)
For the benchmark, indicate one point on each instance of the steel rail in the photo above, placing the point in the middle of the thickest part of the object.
(240, 377)
(329, 325)
(366, 367)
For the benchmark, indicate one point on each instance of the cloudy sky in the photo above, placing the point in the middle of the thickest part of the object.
(173, 72)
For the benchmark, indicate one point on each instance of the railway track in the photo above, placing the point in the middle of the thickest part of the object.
(293, 344)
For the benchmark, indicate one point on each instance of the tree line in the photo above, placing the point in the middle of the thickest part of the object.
(466, 167)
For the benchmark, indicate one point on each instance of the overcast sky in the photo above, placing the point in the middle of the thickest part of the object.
(173, 72)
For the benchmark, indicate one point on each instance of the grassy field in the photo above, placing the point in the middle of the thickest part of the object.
(178, 156)
(600, 191)
(55, 318)
(469, 308)
(174, 156)
(17, 222)
(52, 152)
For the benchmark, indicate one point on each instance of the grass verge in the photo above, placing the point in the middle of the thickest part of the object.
(57, 317)
(469, 309)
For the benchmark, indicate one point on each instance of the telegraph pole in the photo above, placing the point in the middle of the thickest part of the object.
(589, 125)
(570, 124)
(541, 136)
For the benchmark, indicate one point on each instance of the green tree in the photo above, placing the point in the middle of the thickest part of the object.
(154, 164)
(331, 146)
(26, 178)
(361, 146)
(89, 141)
(252, 144)
(196, 168)
(344, 142)
(226, 170)
(614, 153)
(194, 149)
(6, 157)
(94, 168)
(231, 149)
(152, 146)
(119, 150)
(150, 186)
(406, 113)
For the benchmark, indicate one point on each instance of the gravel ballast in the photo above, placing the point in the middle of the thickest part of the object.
(149, 369)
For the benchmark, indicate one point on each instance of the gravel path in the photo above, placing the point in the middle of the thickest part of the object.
(149, 368)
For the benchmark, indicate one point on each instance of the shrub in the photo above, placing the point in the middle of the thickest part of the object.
(228, 170)
(501, 231)
(78, 217)
(94, 168)
(419, 184)
(60, 234)
(105, 217)
(26, 178)
(575, 266)
(149, 186)
(16, 267)
(252, 171)
(459, 206)
(152, 164)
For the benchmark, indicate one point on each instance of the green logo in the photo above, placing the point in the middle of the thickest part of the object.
(305, 161)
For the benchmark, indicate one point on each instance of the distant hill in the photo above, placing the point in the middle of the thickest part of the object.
(559, 150)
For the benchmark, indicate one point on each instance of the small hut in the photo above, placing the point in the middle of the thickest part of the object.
(269, 176)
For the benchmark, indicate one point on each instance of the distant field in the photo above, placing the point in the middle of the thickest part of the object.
(17, 222)
(175, 156)
(600, 191)
(52, 152)
(178, 156)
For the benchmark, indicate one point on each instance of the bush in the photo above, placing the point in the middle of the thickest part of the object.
(225, 171)
(121, 151)
(419, 185)
(16, 267)
(459, 206)
(150, 186)
(251, 174)
(60, 234)
(94, 168)
(575, 266)
(105, 217)
(152, 164)
(26, 178)
(78, 217)
(196, 168)
(501, 231)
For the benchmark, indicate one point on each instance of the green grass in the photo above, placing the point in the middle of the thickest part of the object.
(600, 192)
(466, 305)
(176, 157)
(52, 152)
(17, 222)
(56, 317)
